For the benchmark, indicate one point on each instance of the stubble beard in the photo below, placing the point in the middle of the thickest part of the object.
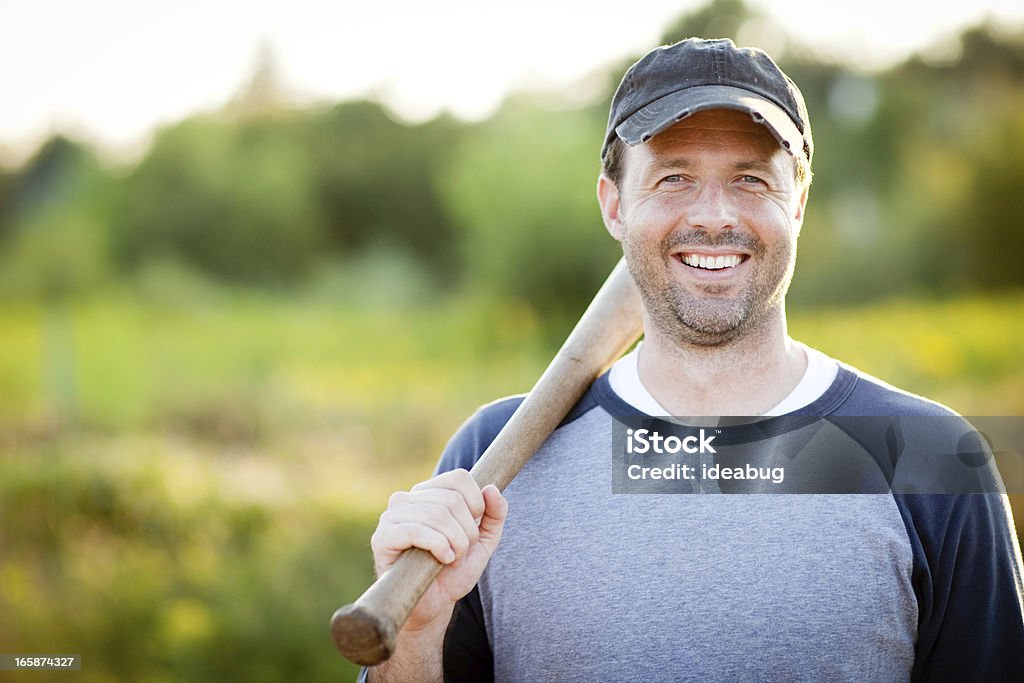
(704, 314)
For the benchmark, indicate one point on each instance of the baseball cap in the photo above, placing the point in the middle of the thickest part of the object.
(672, 82)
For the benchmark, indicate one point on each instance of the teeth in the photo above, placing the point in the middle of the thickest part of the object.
(711, 262)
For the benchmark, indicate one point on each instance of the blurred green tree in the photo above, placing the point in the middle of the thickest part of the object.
(983, 237)
(375, 184)
(234, 200)
(717, 19)
(5, 200)
(521, 189)
(960, 154)
(57, 210)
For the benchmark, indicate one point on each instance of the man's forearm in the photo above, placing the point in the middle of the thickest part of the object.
(418, 656)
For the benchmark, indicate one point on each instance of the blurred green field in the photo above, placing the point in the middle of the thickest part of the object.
(964, 352)
(187, 490)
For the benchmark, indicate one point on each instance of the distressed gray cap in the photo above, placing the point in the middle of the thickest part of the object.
(672, 82)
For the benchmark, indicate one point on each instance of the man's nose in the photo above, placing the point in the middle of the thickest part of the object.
(712, 209)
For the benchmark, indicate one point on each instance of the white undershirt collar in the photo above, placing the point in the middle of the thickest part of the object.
(818, 377)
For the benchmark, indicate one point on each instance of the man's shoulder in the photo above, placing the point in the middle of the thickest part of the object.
(476, 433)
(870, 396)
(474, 436)
(929, 447)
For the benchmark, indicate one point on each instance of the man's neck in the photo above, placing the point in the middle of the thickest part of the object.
(745, 376)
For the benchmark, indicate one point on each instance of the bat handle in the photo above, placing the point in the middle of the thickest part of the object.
(366, 630)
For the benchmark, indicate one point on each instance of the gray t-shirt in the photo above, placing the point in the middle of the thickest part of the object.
(592, 585)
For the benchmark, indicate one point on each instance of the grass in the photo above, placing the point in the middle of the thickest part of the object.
(965, 353)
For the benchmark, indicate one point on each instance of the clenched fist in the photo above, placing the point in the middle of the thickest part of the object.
(453, 519)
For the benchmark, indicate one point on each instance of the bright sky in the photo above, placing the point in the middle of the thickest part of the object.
(112, 70)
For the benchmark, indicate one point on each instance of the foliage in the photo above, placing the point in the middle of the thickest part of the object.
(233, 362)
(521, 189)
(234, 200)
(53, 236)
(717, 19)
(374, 184)
(930, 209)
(985, 228)
(155, 563)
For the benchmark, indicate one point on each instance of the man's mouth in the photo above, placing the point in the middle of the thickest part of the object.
(709, 261)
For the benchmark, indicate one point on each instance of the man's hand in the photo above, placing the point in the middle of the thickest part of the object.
(453, 519)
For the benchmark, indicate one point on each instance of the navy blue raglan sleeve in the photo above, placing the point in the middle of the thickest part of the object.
(471, 439)
(967, 562)
(967, 577)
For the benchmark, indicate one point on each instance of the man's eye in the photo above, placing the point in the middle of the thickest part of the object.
(672, 179)
(752, 179)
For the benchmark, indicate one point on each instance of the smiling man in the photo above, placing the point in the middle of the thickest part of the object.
(705, 176)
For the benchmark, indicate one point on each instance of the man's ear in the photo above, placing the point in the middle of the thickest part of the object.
(611, 207)
(798, 212)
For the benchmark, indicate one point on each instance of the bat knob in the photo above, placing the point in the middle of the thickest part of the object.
(362, 636)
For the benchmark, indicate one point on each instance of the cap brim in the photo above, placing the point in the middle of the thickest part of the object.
(674, 107)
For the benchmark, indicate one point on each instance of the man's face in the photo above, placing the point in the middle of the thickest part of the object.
(708, 213)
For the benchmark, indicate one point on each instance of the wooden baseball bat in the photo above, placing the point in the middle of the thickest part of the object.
(365, 631)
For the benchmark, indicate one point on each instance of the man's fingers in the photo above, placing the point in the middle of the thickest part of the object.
(493, 520)
(436, 517)
(446, 516)
(457, 480)
(447, 499)
(401, 536)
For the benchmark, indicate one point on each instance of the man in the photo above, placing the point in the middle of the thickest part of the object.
(706, 169)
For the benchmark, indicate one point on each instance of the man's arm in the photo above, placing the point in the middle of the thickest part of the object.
(417, 655)
(967, 576)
